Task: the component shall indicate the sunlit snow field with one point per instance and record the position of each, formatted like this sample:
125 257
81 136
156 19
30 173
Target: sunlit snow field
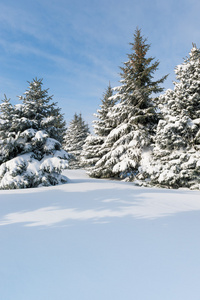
99 239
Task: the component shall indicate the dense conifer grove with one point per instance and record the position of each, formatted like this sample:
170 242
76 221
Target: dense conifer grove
138 136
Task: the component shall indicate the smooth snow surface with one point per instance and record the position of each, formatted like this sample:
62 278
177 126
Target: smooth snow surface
99 240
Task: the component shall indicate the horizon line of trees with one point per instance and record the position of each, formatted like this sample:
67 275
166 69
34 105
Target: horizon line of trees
137 136
143 138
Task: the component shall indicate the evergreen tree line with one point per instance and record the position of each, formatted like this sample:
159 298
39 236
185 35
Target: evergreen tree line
143 138
138 136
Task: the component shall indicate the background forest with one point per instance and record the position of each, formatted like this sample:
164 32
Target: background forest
138 136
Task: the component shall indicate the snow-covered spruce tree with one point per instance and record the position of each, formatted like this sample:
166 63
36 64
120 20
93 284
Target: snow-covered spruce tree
36 130
134 117
92 149
7 145
175 161
74 140
103 124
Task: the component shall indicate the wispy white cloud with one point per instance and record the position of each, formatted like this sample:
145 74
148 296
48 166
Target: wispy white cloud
81 44
26 21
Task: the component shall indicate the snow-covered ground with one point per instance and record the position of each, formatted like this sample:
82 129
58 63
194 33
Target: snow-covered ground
99 240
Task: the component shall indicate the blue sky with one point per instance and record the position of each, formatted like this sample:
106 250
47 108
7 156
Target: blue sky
78 46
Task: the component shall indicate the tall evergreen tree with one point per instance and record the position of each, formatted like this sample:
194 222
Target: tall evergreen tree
75 137
36 129
175 161
134 117
92 149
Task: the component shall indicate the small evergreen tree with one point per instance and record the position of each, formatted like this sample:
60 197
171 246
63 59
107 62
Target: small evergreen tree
35 156
134 117
7 145
175 161
75 137
104 124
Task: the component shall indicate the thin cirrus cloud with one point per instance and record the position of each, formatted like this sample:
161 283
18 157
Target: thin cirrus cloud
20 21
78 46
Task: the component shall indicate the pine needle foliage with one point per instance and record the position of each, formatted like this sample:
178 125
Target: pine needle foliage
175 160
31 133
103 124
134 116
75 137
